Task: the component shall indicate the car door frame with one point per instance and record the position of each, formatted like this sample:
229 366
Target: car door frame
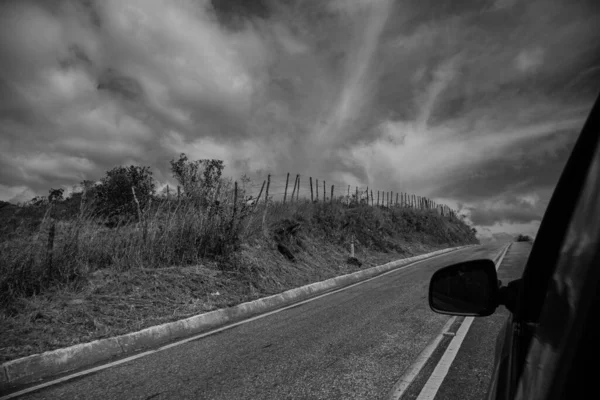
544 254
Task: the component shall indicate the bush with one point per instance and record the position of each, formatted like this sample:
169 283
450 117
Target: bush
524 238
115 193
200 178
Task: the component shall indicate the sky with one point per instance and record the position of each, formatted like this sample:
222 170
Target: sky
475 104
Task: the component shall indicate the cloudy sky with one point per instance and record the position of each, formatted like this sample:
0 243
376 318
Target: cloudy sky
474 103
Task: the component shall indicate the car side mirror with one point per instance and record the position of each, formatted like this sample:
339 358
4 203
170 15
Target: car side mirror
468 288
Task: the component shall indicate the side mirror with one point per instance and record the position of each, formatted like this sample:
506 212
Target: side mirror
469 288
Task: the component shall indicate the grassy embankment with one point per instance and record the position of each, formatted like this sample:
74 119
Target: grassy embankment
181 259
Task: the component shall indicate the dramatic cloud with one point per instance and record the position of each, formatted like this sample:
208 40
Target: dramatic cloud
476 103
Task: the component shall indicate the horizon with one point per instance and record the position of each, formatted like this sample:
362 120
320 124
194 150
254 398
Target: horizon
475 105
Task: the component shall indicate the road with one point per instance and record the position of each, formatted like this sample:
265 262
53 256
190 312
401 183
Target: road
353 344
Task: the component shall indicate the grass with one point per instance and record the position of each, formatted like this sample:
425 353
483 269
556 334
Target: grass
184 258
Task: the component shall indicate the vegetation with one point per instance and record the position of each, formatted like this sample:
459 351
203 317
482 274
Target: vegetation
524 238
107 259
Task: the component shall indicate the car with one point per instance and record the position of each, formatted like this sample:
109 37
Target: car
549 345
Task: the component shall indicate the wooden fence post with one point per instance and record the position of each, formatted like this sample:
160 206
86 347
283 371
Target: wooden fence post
371 197
235 199
294 190
324 193
357 201
267 192
50 247
298 189
378 198
311 190
396 199
287 180
331 200
317 187
264 218
259 194
178 192
168 193
348 196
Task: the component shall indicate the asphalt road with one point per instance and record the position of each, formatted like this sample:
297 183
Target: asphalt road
353 344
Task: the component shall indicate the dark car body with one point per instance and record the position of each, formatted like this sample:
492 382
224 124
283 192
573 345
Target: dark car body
548 347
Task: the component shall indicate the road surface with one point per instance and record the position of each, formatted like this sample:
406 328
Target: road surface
353 344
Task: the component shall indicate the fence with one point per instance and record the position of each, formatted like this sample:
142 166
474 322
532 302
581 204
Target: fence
293 188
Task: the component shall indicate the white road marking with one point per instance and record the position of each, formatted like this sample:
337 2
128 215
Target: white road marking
441 370
404 382
180 342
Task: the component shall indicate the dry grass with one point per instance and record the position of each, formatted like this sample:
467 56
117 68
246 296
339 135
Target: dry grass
182 259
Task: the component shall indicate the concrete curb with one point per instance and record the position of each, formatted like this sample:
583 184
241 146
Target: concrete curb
39 366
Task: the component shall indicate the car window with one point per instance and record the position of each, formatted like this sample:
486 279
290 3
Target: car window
571 291
554 226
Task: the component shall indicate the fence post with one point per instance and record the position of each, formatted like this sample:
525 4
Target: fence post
298 188
50 247
286 186
178 192
317 187
378 198
267 192
396 199
294 190
331 200
371 197
348 196
266 201
387 199
259 194
324 193
168 193
137 203
235 198
357 202
311 191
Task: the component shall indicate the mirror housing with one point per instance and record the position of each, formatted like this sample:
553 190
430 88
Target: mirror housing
469 288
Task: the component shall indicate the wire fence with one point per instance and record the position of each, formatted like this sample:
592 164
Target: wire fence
291 188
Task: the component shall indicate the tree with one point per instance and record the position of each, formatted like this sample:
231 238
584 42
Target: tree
197 178
114 193
55 195
524 238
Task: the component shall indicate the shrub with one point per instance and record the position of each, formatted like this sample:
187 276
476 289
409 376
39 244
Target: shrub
114 194
200 178
524 238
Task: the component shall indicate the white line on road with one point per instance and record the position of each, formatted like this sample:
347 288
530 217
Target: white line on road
441 370
404 382
196 337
